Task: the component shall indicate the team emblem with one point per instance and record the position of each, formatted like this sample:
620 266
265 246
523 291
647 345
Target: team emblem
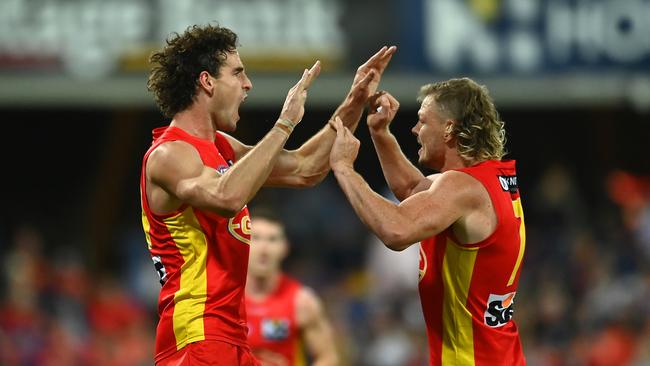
275 329
240 227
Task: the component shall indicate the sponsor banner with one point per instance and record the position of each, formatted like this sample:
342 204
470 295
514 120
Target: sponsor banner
501 37
97 38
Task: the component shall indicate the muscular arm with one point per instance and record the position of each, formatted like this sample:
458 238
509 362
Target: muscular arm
176 174
308 165
316 329
448 200
403 178
176 167
453 197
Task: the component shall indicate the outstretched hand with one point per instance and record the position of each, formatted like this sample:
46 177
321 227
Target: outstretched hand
382 110
368 75
346 146
294 104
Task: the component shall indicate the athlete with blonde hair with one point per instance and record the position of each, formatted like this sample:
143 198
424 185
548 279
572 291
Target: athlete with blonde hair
468 218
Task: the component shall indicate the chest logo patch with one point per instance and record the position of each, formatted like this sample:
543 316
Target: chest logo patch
499 310
275 329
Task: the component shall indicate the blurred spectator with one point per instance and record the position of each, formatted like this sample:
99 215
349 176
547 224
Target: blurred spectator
52 316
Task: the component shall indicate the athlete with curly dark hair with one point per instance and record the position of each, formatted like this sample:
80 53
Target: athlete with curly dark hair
196 181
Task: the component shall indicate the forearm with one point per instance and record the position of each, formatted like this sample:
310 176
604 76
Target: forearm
400 174
380 215
245 178
316 150
312 158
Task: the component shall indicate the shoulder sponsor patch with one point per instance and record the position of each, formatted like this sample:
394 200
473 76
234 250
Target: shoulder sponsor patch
508 183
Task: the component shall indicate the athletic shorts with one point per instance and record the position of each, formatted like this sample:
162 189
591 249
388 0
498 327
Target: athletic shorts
210 353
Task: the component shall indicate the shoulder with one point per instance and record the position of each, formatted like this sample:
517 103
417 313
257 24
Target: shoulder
171 156
308 305
454 180
171 151
458 186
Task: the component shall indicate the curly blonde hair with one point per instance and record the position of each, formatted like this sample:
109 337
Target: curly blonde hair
479 131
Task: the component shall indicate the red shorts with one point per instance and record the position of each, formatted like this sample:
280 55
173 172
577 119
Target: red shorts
213 353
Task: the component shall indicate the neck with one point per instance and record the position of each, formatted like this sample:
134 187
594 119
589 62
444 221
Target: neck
453 160
196 121
262 286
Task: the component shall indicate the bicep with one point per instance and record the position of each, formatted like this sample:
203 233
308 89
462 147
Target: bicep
177 168
173 165
424 184
433 210
284 170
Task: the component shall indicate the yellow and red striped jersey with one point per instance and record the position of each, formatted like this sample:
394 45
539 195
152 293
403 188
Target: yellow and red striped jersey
468 291
272 324
201 257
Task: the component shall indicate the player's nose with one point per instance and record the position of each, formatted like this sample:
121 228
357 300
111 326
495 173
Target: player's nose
248 85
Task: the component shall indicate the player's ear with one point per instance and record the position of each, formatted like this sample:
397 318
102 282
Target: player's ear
449 129
206 82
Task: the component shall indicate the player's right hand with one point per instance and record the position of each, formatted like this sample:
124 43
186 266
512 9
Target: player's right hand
368 75
294 105
382 110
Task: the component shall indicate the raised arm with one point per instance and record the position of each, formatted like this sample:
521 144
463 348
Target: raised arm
446 201
316 329
309 164
176 167
403 178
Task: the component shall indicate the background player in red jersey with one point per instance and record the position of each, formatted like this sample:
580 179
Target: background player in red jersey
468 218
196 182
285 318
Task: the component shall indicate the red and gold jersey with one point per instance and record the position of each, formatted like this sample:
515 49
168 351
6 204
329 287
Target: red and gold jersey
468 291
273 332
201 257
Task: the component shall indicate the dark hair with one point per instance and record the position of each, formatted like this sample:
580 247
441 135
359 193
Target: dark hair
176 68
265 213
479 131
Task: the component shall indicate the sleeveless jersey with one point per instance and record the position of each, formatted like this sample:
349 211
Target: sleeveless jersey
468 291
201 258
272 323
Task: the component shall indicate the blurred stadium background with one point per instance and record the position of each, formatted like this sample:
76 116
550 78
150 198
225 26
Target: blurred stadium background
571 78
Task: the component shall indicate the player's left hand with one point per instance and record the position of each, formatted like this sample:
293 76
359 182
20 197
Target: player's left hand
346 146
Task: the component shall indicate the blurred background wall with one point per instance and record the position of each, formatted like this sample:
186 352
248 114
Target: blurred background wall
571 78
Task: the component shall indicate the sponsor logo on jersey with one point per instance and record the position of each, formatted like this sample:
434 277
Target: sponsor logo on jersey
275 329
240 226
508 183
160 269
499 310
